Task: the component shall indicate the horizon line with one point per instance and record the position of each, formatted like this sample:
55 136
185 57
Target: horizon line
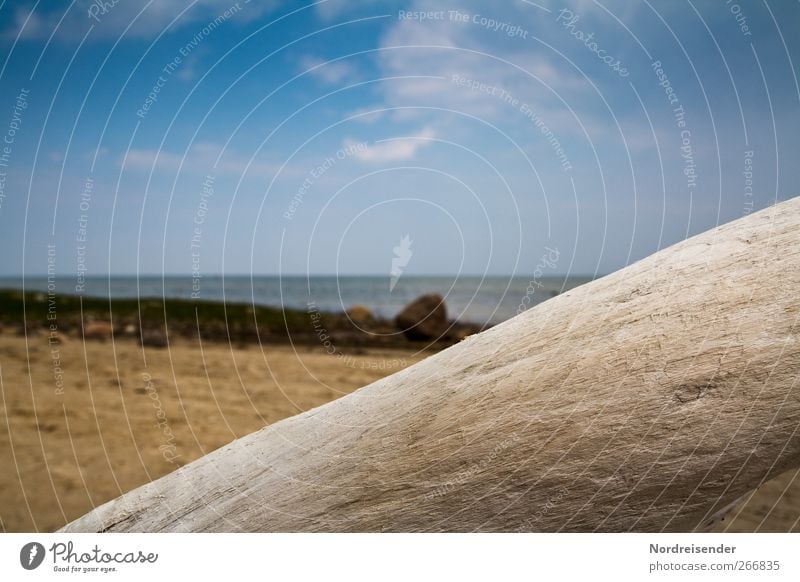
296 275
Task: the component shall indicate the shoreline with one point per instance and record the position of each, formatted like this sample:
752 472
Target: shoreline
470 300
159 321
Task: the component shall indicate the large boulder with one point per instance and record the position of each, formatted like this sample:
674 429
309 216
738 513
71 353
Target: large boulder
425 318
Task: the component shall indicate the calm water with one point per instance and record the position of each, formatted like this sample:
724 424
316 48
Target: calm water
491 299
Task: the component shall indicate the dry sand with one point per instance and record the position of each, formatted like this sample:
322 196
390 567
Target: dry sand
120 416
125 417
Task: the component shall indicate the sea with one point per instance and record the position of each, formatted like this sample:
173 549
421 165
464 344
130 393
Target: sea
471 299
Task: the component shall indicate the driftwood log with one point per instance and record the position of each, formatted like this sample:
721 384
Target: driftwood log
648 400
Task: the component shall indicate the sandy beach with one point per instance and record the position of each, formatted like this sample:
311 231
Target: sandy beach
119 415
408 267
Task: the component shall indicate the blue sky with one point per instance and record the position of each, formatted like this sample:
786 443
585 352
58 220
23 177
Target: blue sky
487 132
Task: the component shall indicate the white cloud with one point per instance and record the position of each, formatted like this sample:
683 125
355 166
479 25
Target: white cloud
330 72
393 150
366 114
432 52
147 159
28 25
201 158
429 58
329 9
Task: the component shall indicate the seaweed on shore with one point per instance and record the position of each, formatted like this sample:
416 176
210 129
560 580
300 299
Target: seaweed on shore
153 320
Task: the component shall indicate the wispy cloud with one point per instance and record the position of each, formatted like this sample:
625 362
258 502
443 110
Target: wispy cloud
369 114
475 70
330 72
201 158
398 149
329 9
149 159
472 52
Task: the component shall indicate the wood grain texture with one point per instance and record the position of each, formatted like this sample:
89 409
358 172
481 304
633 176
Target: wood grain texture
647 400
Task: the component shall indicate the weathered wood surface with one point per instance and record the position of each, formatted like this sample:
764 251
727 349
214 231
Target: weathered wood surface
647 400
